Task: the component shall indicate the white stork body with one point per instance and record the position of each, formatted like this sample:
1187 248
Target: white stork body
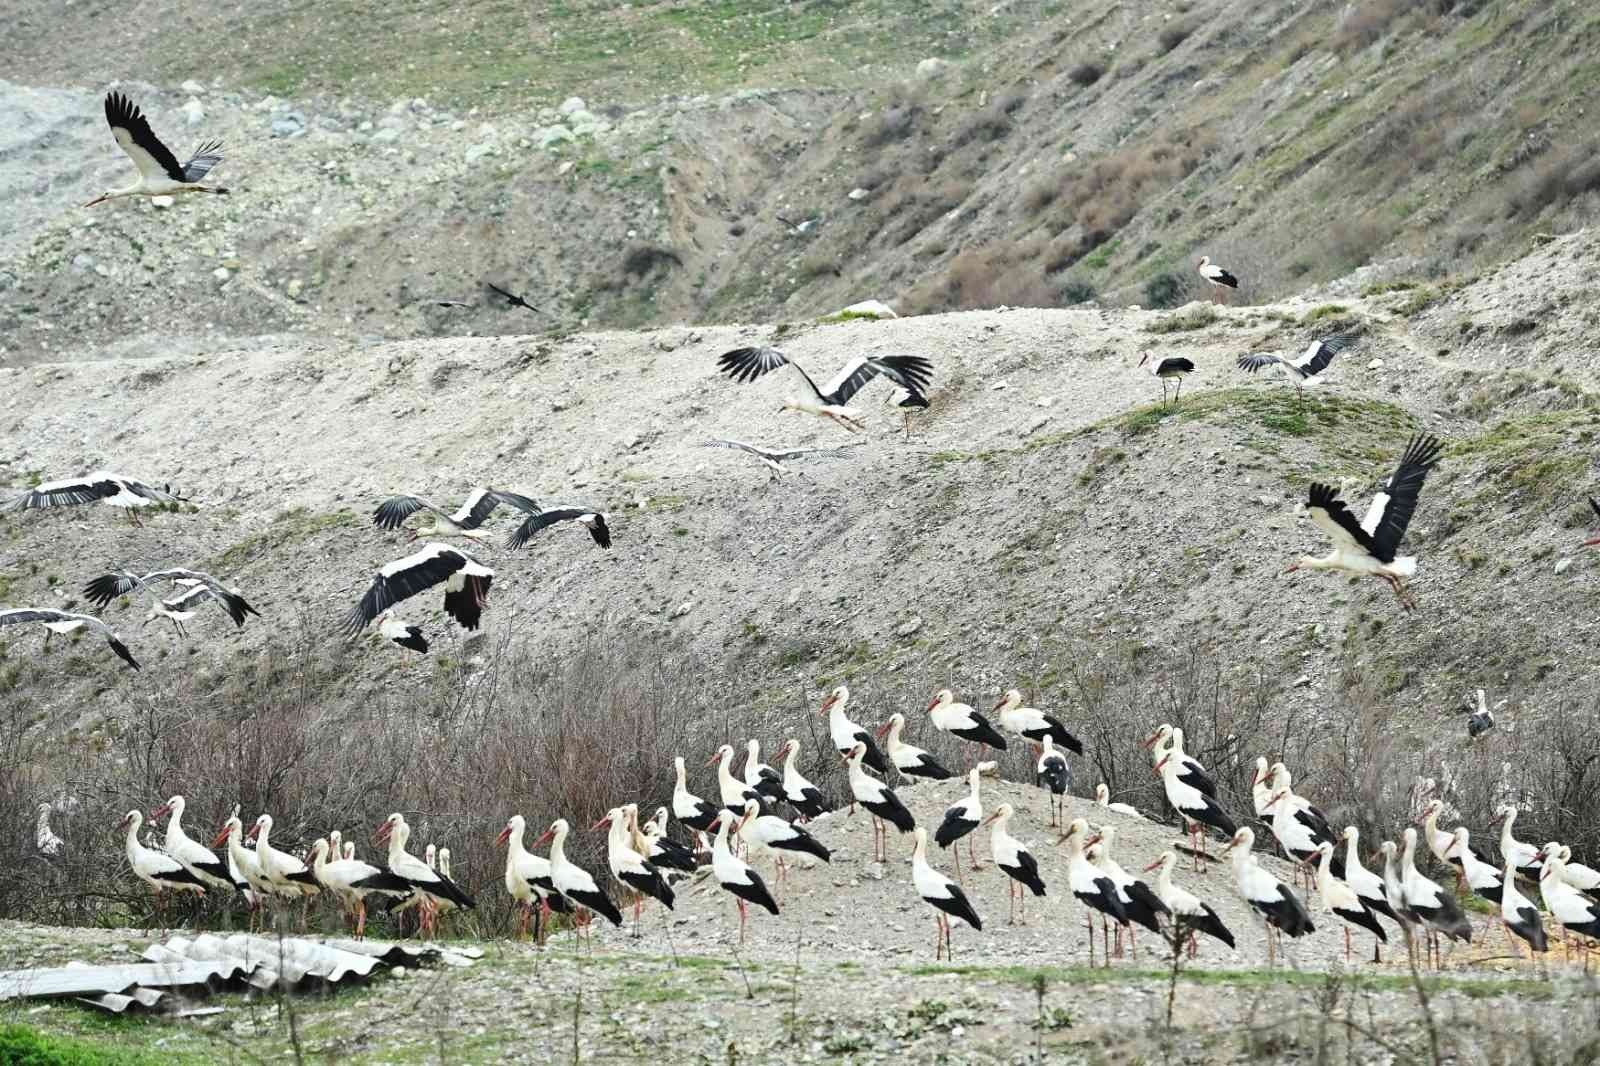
960 819
1261 790
572 880
466 586
353 880
158 870
1197 809
590 518
1304 368
1219 279
1139 903
1089 885
287 875
1571 909
1340 899
528 879
758 775
1367 886
732 791
806 799
688 808
940 893
910 372
1368 547
1032 724
879 800
1055 773
113 490
1424 898
769 835
160 174
195 858
1525 856
735 876
1518 914
629 867
1188 911
908 759
107 587
242 862
1275 901
1168 368
430 885
962 721
846 734
1015 861
1581 877
1102 799
465 522
57 623
400 634
1479 874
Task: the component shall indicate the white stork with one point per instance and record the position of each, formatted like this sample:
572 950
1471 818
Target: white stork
1275 901
1479 873
288 876
1190 914
846 734
1525 856
400 633
771 835
353 880
466 586
774 459
107 587
1518 914
1443 843
960 720
662 851
758 775
1219 278
1032 724
940 893
45 842
1139 903
1304 368
243 866
431 885
1480 721
879 800
630 868
1299 826
908 759
1168 368
114 490
572 880
195 858
1367 886
806 799
960 819
1571 909
735 876
1368 547
1056 773
1102 799
1429 902
591 518
58 622
1341 900
732 791
1168 740
466 522
158 870
528 880
1090 886
910 372
688 808
1261 790
1015 861
159 171
1581 877
1197 809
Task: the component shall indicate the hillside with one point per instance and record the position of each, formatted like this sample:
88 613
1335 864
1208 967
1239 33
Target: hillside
1043 155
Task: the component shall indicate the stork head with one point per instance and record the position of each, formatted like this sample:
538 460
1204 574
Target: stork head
1012 698
895 722
1162 733
605 822
839 695
173 804
263 822
1102 794
857 753
132 818
514 824
724 752
1166 859
387 827
941 698
225 832
1430 809
1244 838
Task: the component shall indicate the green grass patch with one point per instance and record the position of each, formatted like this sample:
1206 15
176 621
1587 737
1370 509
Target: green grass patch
1085 975
850 316
288 528
1316 314
23 1045
1199 318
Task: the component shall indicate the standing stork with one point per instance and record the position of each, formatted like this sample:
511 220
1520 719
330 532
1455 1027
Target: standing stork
1090 886
1015 861
1056 773
1197 809
466 522
772 835
1304 368
1342 901
960 819
58 622
908 759
736 876
732 791
1526 857
1570 909
910 372
1367 886
159 171
353 880
1581 877
107 587
960 720
758 775
807 799
942 894
1368 546
1168 368
880 802
1190 914
432 887
45 842
572 880
688 808
1519 915
114 490
846 734
629 868
156 869
1275 901
195 857
466 586
1221 281
1429 902
1139 903
528 880
1032 724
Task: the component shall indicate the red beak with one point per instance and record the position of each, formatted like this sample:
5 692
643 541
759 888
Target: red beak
159 811
999 705
1152 866
991 818
549 834
883 728
601 824
829 702
933 703
714 759
383 831
1590 543
505 835
222 837
1162 763
1292 568
254 829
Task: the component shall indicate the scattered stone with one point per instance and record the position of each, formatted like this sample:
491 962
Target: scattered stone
222 273
905 629
386 136
476 152
1303 681
859 193
289 124
193 113
1562 566
682 609
932 68
193 88
162 201
572 105
293 288
1376 364
551 136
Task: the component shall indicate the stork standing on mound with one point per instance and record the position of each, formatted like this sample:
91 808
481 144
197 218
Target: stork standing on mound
1055 773
1220 280
910 372
960 819
908 759
1168 368
159 171
1368 546
1275 901
942 894
880 802
735 876
1089 885
960 720
807 799
1341 900
1016 862
1190 915
1030 723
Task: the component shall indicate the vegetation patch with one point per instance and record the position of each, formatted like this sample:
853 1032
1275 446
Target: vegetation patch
1199 318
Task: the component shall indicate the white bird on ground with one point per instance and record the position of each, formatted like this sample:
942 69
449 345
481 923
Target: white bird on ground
1219 278
1340 899
1304 368
758 775
732 791
107 587
1275 901
773 459
45 842
591 518
572 880
1367 886
1090 886
1190 914
195 858
846 734
736 876
287 875
160 174
1480 875
1015 861
60 622
1141 905
962 721
688 808
114 490
960 819
1441 842
1298 825
353 880
629 867
1581 877
1168 368
466 522
1056 773
1168 739
1032 724
154 868
1518 914
431 885
910 372
1480 721
1436 907
1525 856
806 799
880 802
940 893
1569 908
767 834
1369 546
1197 809
466 586
243 864
1261 790
401 634
528 879
908 759
1102 799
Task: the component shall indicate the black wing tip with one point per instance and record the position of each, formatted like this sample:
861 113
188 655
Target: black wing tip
1321 495
1423 450
122 652
102 590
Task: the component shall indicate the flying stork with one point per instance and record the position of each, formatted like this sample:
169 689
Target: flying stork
400 634
1170 367
1368 547
112 489
466 586
1304 368
511 298
591 518
65 622
159 171
910 372
773 459
107 587
466 522
1219 278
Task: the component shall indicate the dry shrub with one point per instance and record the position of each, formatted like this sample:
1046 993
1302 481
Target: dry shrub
898 118
990 123
1173 34
1368 22
1553 179
1086 73
1039 194
641 258
912 204
1002 273
1351 243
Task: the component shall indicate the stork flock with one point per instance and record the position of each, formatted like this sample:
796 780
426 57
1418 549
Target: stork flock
742 830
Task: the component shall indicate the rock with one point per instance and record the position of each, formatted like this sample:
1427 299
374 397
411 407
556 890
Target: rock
868 309
193 113
1303 681
591 128
386 136
997 386
905 629
1376 364
551 136
222 273
293 288
932 68
162 201
193 88
859 193
571 105
682 609
476 152
582 118
82 262
289 124
1562 566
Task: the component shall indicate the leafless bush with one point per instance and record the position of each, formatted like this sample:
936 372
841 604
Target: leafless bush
641 258
1553 179
898 118
1086 73
999 273
1368 22
1173 34
990 123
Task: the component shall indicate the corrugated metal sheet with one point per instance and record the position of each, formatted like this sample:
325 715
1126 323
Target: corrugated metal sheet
95 980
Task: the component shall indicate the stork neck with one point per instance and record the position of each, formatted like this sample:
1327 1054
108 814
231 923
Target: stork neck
558 846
